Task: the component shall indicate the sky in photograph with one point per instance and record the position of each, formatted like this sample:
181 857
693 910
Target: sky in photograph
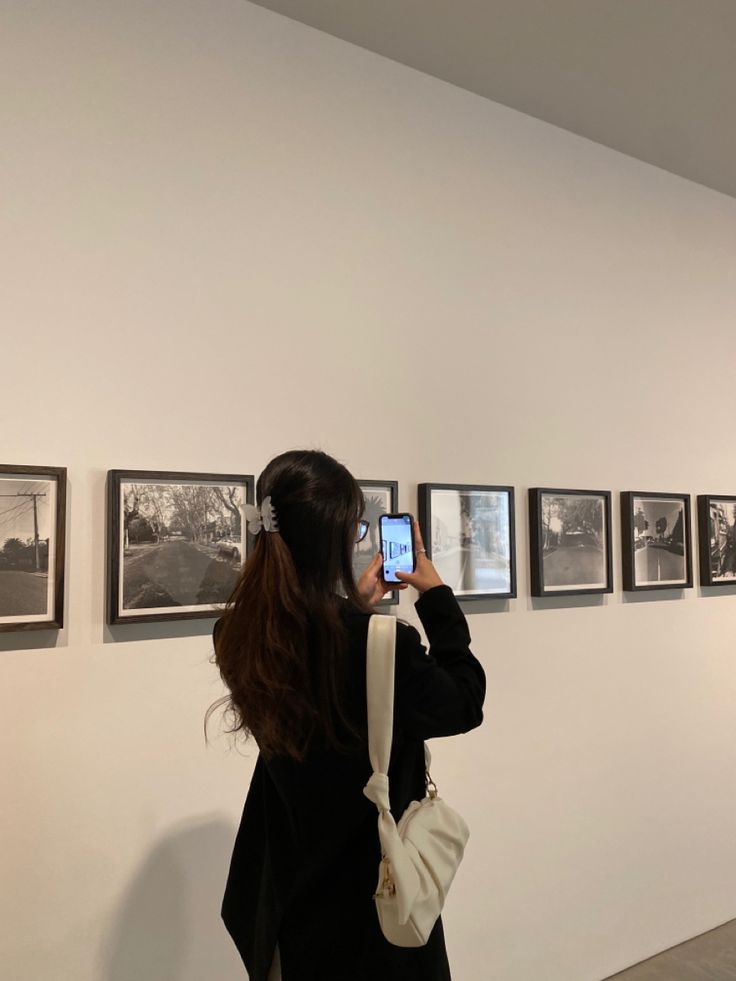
16 512
654 510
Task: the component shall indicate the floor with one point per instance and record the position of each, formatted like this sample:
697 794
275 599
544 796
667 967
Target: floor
709 957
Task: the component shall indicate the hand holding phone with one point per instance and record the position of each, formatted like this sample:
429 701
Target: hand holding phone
426 576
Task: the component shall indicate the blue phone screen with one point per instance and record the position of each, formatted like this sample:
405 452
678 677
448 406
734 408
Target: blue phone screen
396 544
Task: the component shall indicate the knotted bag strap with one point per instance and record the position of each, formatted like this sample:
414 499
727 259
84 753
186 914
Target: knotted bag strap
380 670
380 664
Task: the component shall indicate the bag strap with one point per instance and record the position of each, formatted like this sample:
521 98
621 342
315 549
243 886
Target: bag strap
380 665
380 662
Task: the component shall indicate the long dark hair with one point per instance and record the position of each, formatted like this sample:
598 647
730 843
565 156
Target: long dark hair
281 643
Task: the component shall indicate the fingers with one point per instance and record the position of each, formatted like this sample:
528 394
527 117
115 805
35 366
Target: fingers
418 541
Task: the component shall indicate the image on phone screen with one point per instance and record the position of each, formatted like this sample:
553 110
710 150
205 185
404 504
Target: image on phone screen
397 545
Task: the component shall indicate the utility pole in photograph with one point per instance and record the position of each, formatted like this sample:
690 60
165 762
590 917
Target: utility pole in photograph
34 498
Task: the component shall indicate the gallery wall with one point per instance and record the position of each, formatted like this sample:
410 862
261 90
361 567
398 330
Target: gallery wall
224 235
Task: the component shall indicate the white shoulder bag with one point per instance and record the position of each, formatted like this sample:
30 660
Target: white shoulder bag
421 854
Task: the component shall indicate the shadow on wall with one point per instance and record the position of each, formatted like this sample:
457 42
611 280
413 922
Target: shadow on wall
168 927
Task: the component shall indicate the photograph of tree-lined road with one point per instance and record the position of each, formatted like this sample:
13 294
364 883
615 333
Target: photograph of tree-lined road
182 544
659 541
573 542
27 508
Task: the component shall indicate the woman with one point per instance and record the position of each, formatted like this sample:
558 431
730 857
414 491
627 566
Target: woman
291 648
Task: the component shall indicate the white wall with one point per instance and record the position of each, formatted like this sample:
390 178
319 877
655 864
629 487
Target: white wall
215 224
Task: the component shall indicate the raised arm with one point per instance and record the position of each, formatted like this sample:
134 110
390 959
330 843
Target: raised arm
439 693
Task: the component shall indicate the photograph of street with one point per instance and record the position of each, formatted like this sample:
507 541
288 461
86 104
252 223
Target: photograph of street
27 549
380 498
722 540
471 539
181 545
574 545
659 542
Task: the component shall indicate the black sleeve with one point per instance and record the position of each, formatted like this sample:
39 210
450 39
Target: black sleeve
440 693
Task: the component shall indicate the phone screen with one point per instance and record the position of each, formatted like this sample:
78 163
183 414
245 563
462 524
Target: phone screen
397 545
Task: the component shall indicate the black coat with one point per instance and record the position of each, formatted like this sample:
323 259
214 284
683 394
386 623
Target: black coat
305 863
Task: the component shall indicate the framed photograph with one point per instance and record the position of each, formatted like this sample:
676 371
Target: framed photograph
717 534
468 531
176 543
32 537
381 497
570 542
657 541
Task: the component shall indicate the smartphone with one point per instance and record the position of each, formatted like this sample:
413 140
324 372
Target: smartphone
397 545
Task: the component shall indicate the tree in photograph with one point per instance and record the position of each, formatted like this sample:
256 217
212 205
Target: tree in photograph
230 499
678 530
43 550
144 513
640 521
582 515
550 511
194 506
155 505
140 531
15 551
130 510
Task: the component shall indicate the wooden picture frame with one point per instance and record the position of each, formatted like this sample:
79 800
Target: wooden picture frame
717 539
656 541
32 563
191 539
564 539
469 531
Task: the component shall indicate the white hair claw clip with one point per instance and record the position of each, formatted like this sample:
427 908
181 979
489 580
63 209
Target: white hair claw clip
261 517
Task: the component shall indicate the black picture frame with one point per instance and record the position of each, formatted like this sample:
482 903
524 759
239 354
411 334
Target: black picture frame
223 551
372 515
55 542
637 542
425 492
716 546
537 544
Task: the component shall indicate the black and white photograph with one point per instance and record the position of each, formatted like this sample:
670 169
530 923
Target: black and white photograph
570 541
656 541
717 534
380 497
468 531
32 521
176 543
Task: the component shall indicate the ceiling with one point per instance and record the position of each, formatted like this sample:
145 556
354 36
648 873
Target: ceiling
655 79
